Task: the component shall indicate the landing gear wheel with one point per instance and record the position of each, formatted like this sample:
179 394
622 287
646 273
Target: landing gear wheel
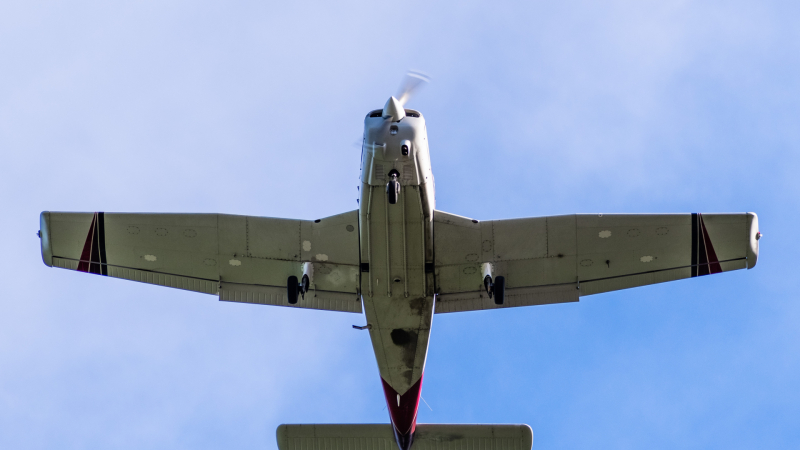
306 284
292 286
487 284
499 290
393 189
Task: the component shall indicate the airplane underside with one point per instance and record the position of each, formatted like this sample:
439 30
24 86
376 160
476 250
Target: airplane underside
396 300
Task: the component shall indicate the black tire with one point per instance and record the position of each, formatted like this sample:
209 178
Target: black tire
499 290
306 285
392 190
292 289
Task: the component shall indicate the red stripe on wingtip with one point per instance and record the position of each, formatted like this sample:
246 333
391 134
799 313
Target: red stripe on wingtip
84 265
713 262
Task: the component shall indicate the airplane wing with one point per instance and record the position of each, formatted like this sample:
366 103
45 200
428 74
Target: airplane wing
560 258
239 258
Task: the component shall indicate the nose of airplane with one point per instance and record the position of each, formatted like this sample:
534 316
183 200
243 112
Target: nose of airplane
394 109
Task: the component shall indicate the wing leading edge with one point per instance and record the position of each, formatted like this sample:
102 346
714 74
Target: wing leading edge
239 258
561 258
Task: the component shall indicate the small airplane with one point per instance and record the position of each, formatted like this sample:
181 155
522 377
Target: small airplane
399 261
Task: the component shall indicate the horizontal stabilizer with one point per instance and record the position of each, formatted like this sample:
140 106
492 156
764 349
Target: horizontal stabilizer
427 437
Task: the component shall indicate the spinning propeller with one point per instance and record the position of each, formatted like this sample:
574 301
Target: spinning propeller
394 106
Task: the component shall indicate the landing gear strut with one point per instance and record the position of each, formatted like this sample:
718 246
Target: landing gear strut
393 188
499 289
304 285
495 287
293 288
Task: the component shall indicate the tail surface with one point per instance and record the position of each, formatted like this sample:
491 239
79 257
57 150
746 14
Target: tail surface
426 437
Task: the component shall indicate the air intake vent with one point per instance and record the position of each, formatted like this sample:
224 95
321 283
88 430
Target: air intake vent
376 113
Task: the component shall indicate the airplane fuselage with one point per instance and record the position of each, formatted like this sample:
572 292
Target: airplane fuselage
397 280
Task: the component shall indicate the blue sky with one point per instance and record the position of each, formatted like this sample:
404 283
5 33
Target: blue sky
535 108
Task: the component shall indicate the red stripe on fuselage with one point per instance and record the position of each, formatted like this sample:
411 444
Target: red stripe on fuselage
404 415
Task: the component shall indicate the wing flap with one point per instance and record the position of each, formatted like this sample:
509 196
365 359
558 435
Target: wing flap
270 295
530 296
